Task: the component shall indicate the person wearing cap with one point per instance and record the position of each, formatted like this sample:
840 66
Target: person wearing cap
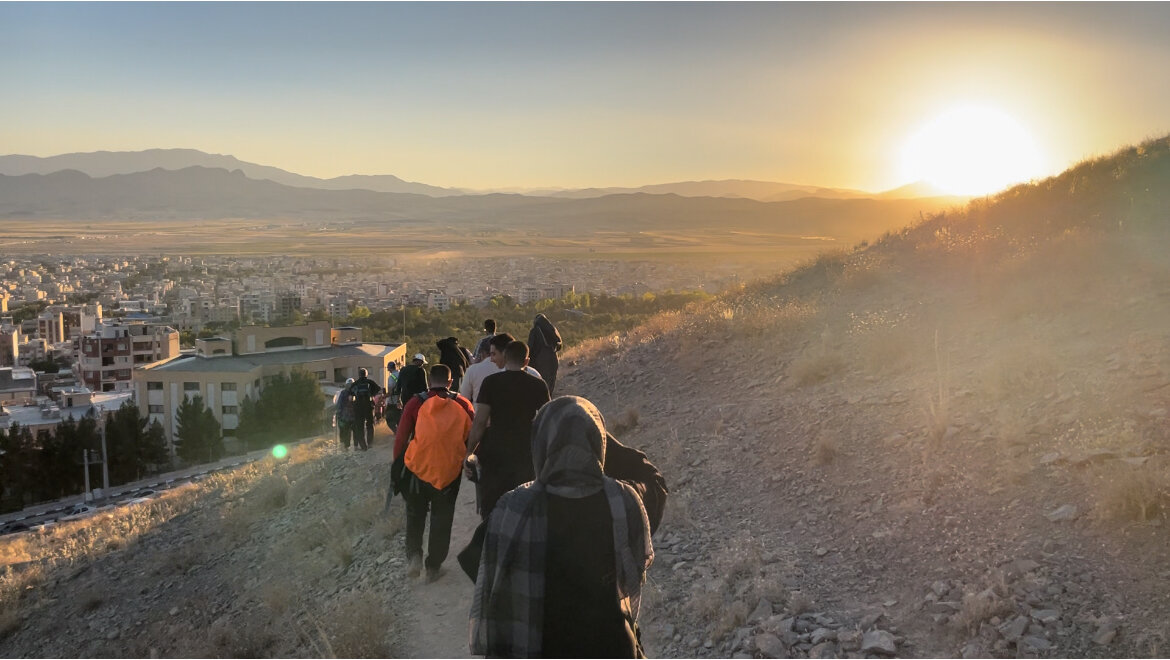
412 379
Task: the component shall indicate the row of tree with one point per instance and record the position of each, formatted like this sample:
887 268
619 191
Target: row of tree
50 464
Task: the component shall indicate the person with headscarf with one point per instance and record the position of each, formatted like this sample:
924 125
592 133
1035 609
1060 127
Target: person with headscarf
456 361
543 344
565 556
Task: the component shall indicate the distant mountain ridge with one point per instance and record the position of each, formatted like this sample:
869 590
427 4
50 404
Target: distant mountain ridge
100 164
197 193
108 163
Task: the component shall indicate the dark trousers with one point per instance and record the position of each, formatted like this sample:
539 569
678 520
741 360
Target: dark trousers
420 496
363 431
344 433
497 480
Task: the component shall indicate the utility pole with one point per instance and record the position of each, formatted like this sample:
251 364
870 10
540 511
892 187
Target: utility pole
404 324
85 463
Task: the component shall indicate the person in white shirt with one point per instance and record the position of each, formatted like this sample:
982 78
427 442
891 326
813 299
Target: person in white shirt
484 368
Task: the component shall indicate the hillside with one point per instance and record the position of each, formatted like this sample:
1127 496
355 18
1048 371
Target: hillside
951 442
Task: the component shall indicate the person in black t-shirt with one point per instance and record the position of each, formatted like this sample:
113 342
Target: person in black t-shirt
501 434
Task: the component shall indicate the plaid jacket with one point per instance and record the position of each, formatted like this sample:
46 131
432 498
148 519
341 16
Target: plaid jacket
508 607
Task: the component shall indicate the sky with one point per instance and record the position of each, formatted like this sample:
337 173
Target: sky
532 95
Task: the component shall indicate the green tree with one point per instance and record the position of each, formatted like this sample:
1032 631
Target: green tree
135 446
18 454
288 408
197 437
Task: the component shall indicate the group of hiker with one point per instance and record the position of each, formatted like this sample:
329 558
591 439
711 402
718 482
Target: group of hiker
566 511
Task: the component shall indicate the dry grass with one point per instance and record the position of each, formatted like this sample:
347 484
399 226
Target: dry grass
360 626
625 422
1133 492
305 487
251 635
799 602
980 607
269 494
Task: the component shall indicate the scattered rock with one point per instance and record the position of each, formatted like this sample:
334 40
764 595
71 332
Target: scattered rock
1033 643
763 611
822 635
1046 616
770 646
849 640
823 650
1106 631
1013 630
878 641
1064 513
174 611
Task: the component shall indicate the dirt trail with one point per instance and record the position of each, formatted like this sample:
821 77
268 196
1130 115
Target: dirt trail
435 623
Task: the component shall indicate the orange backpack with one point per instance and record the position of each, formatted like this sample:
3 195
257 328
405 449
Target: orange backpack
435 453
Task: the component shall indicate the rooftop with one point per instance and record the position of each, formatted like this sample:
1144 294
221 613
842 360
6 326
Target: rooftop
246 363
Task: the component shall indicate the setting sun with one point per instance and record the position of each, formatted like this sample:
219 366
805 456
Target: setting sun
971 150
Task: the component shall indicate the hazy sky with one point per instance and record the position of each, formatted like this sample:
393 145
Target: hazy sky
569 95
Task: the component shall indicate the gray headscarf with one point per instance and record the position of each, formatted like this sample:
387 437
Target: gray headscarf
568 454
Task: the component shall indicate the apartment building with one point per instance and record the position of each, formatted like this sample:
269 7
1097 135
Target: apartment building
108 355
18 385
225 370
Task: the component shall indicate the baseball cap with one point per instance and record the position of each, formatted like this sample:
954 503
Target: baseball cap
420 356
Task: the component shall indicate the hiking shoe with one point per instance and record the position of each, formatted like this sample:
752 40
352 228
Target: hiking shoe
434 574
414 568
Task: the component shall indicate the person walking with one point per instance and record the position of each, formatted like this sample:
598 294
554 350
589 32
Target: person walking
565 557
343 414
544 342
481 348
391 405
363 390
500 435
450 354
428 453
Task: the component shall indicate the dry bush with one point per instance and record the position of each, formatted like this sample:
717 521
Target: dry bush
679 512
980 607
1133 492
305 487
358 516
593 349
825 449
815 366
89 600
654 328
360 627
339 545
270 493
10 622
252 634
385 527
625 422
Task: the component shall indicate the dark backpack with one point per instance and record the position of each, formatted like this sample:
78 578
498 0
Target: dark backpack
363 393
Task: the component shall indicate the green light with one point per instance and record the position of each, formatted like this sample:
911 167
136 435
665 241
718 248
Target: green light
279 452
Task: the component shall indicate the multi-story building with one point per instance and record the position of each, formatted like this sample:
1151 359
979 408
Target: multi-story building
108 355
18 385
9 344
51 326
225 370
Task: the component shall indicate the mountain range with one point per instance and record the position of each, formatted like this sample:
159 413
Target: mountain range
107 163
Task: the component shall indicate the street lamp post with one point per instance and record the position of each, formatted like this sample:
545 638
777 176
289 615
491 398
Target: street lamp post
105 459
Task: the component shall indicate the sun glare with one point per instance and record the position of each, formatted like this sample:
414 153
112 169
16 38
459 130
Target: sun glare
971 150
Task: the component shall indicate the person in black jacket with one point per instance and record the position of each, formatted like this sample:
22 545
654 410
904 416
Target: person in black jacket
456 361
543 343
